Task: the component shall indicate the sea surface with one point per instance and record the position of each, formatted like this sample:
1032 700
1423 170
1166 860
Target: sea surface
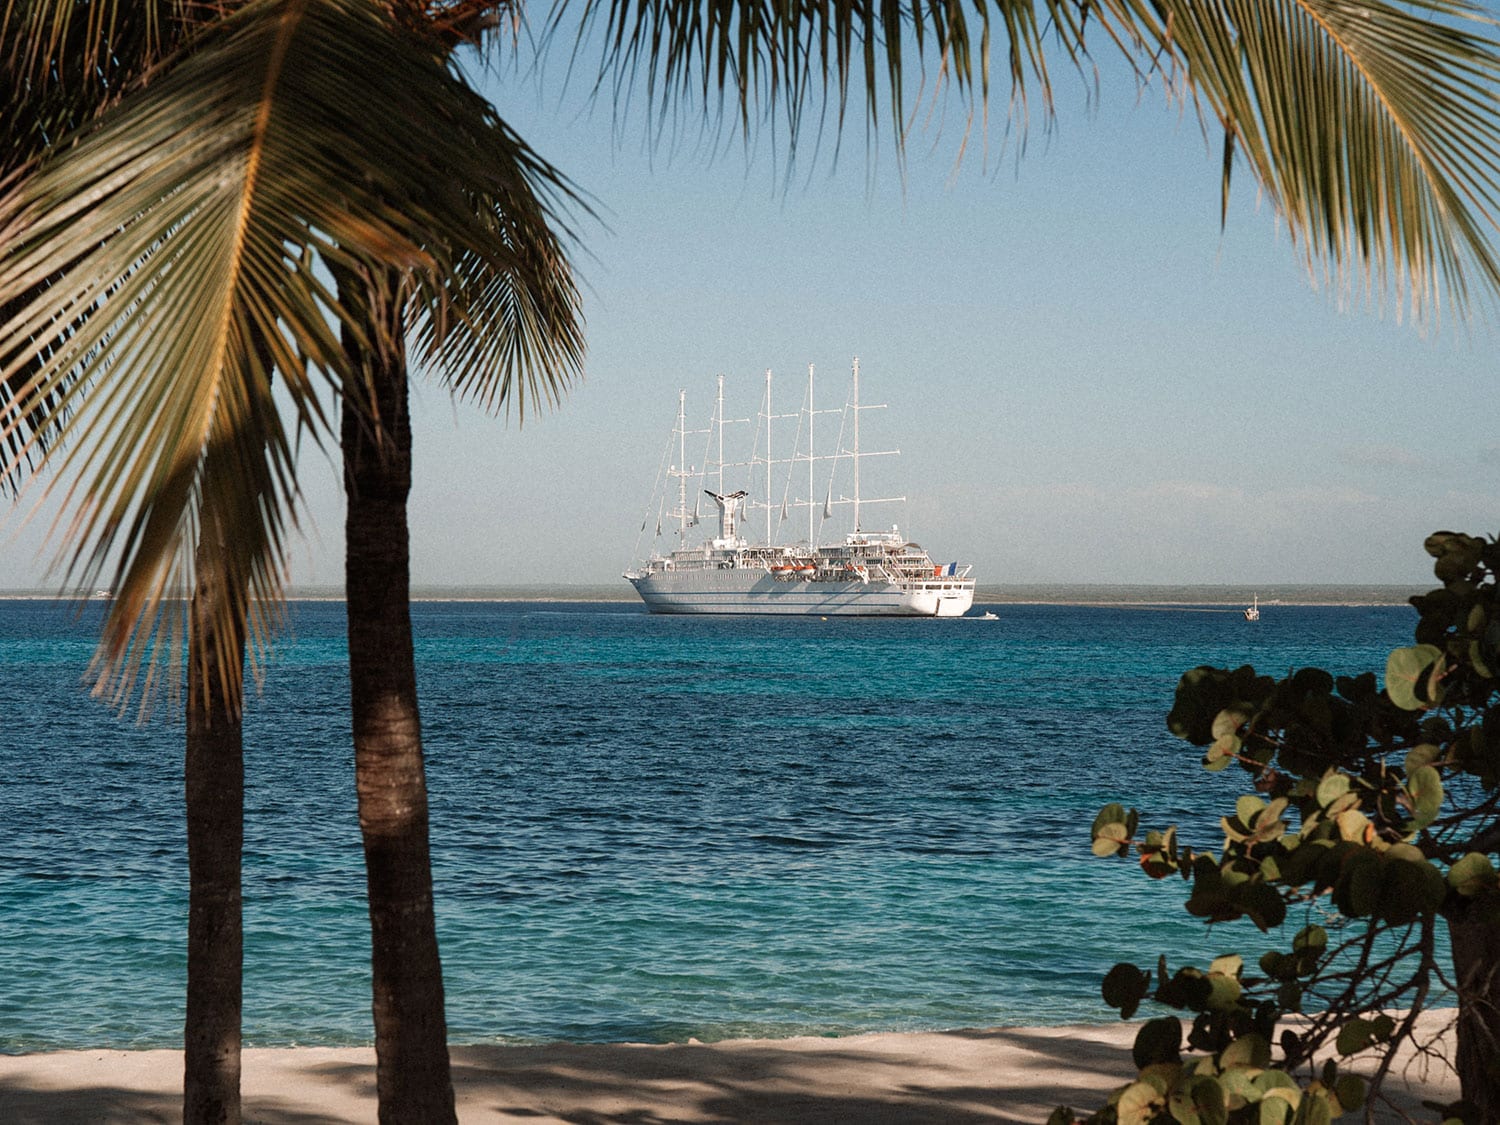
647 828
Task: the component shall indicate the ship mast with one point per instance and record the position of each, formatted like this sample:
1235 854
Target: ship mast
769 462
856 454
811 417
855 404
719 414
682 512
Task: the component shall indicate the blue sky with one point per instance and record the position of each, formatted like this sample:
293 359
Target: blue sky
1088 381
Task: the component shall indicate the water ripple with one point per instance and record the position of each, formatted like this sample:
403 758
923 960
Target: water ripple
643 828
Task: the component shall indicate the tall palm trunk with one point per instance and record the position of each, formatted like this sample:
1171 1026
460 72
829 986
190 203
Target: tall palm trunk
411 1046
214 779
1476 965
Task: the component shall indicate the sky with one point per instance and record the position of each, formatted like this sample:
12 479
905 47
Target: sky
1087 378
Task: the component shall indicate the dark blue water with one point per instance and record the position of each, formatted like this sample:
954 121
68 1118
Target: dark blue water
645 828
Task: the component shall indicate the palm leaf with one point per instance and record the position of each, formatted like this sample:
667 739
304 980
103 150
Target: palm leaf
1372 128
505 325
60 71
66 50
187 227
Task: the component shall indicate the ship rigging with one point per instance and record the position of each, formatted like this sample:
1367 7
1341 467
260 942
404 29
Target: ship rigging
864 573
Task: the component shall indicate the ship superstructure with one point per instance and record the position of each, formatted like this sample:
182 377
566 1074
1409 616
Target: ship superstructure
875 573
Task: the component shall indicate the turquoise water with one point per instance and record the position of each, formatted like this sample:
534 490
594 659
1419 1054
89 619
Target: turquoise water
645 828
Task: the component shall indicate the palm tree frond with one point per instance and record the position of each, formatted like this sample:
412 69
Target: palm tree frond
1374 128
778 61
186 224
505 325
64 61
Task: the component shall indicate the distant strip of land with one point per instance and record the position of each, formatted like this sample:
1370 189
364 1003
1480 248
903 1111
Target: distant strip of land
1100 594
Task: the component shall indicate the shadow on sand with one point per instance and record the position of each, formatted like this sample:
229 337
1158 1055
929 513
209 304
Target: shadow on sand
937 1078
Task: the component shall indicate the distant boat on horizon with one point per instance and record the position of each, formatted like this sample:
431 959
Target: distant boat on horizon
1252 611
866 573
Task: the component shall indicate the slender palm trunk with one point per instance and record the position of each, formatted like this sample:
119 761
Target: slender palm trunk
411 1046
214 777
1476 966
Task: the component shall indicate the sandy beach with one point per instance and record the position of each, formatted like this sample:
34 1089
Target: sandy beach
928 1078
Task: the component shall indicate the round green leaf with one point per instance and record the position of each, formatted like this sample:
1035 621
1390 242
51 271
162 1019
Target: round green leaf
1358 1034
1112 813
1247 1051
1275 1111
1222 752
1473 874
1224 992
1124 987
1421 755
1354 826
1206 1097
1313 1111
1139 1104
1261 904
1111 839
1476 658
1158 1041
1230 964
1405 671
1411 889
1311 937
1425 786
1239 1087
1246 807
1269 1080
1350 1091
1228 721
1358 892
1332 787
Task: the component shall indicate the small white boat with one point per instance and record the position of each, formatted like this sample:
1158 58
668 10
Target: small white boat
1252 611
988 616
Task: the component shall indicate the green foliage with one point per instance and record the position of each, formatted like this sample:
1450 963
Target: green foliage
1359 1034
1413 677
1371 813
1113 829
1236 1086
1473 875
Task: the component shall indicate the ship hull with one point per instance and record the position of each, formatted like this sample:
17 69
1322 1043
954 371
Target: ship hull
748 591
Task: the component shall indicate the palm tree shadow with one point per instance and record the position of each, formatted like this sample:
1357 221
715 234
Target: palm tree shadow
22 1103
1009 1076
1000 1076
953 1081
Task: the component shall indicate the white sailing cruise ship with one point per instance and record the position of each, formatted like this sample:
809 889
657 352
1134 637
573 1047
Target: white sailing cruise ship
867 573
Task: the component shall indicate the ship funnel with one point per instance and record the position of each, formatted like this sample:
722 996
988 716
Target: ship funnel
729 514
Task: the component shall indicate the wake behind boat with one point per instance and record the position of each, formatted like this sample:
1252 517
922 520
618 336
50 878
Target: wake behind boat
866 573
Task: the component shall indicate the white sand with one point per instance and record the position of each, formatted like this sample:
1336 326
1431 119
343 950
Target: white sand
929 1078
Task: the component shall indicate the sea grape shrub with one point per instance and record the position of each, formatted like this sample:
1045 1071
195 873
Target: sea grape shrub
1372 820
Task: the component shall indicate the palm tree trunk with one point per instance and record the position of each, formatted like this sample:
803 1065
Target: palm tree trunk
214 777
411 1047
1476 965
